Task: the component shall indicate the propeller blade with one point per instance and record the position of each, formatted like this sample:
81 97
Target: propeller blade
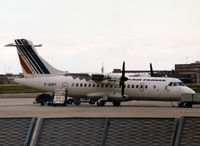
123 70
151 70
123 79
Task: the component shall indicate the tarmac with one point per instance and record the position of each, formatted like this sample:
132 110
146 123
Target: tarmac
21 105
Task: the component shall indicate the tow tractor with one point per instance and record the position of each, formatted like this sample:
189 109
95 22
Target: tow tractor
43 98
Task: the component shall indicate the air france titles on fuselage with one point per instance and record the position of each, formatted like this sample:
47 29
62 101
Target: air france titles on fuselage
159 80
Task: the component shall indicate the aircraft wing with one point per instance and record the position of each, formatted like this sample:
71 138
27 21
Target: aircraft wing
80 76
98 78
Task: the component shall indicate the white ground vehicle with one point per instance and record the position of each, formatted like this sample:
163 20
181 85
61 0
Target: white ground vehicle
60 96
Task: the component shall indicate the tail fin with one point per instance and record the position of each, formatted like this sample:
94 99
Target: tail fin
32 64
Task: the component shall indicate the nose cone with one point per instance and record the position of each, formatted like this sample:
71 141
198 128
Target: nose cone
188 90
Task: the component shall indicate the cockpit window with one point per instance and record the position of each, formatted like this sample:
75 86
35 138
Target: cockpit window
176 84
181 84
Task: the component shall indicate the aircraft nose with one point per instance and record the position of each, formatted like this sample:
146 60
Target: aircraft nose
188 90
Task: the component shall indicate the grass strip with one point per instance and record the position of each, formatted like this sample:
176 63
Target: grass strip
16 88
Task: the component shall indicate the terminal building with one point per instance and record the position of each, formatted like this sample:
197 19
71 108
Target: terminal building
191 71
188 73
8 78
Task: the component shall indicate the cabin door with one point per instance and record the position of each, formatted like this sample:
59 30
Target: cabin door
141 88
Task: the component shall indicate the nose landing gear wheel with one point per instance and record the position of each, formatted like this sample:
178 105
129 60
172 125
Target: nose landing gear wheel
188 104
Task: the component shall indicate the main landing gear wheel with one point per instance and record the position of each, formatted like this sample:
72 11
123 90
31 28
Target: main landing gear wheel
116 103
101 103
188 104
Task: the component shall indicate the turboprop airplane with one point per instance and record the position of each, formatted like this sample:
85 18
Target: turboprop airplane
100 87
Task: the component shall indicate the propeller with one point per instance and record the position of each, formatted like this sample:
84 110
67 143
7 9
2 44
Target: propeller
123 79
151 70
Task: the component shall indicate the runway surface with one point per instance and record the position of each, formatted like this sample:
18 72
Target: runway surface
24 107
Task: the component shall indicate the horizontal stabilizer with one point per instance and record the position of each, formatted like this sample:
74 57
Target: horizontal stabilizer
18 45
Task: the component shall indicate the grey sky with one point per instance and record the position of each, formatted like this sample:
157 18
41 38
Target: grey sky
79 35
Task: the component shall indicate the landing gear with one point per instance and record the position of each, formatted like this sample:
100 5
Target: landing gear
101 103
187 104
116 103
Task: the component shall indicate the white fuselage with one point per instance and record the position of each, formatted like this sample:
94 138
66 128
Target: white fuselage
137 88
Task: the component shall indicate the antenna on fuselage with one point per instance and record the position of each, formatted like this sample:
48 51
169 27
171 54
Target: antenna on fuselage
102 68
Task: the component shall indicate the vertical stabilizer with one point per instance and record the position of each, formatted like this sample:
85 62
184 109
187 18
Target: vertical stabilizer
32 64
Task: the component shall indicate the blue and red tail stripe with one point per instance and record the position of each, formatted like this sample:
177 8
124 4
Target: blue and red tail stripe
33 60
25 67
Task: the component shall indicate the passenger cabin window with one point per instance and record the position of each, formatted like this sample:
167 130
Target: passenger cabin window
89 85
106 85
128 86
137 86
85 85
93 85
102 85
146 86
81 85
132 86
154 86
97 85
141 86
76 84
